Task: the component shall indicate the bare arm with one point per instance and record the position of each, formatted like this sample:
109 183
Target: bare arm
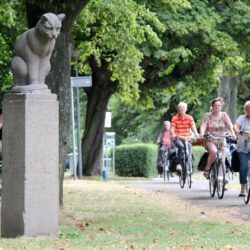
173 135
203 126
203 129
194 129
237 128
231 129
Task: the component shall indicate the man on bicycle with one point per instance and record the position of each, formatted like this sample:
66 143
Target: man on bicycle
181 126
164 141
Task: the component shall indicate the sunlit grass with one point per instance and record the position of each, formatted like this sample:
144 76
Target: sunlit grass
108 215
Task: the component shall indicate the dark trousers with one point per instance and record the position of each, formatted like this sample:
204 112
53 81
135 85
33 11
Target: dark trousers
180 144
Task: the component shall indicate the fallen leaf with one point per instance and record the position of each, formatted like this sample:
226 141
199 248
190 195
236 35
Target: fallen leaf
91 235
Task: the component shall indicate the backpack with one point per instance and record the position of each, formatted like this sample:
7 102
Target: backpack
235 164
203 162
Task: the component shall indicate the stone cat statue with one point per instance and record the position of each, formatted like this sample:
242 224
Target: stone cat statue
33 49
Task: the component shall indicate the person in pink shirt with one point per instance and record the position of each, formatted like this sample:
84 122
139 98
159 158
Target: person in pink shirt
165 143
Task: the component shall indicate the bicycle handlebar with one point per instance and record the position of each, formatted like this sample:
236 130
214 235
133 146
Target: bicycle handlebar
242 132
183 137
219 138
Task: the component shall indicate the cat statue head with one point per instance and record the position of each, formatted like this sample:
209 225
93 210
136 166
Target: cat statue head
50 25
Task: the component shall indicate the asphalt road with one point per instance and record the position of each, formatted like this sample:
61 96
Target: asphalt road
199 194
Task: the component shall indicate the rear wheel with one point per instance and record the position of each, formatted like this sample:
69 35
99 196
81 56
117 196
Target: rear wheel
220 179
212 180
166 173
189 173
182 176
247 190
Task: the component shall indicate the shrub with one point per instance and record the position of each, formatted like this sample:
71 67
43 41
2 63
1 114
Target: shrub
136 160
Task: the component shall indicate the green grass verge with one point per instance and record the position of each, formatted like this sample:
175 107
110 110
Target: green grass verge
107 215
197 153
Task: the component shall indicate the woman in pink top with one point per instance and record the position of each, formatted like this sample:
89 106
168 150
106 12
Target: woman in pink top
164 141
215 123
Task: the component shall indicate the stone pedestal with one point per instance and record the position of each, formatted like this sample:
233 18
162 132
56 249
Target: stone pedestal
30 194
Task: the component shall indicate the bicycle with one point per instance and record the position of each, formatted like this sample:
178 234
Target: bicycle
186 164
217 170
166 171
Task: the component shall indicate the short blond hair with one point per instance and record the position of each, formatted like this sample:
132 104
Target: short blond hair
183 104
166 122
247 103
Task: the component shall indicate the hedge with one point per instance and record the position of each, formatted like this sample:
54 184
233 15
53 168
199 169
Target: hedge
197 153
137 160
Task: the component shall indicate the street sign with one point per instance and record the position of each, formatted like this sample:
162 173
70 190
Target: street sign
81 81
108 120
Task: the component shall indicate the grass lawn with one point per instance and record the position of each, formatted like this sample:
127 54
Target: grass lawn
110 215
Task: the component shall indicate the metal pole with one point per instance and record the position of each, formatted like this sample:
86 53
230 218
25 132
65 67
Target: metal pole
103 153
79 135
73 128
114 157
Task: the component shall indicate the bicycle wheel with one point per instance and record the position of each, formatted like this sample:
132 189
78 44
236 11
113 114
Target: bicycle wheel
247 189
182 176
166 173
212 180
189 173
220 179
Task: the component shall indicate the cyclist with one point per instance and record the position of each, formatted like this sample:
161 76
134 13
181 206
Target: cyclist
165 143
216 123
243 145
181 126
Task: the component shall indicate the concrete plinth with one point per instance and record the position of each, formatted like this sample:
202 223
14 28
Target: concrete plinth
30 193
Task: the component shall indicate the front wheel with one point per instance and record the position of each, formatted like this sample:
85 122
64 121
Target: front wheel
166 172
189 173
212 180
182 177
247 190
220 179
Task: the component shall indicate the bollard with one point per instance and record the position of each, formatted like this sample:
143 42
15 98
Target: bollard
105 175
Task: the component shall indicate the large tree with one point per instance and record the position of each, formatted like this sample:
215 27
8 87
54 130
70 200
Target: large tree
165 43
207 45
113 32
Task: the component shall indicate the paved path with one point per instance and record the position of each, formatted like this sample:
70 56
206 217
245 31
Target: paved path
199 193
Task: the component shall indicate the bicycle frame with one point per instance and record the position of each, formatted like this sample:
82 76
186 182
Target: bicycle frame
186 164
217 169
247 185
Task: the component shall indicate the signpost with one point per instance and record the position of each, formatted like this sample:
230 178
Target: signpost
77 82
107 148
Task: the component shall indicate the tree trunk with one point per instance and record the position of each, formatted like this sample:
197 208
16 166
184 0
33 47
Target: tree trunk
61 75
228 89
98 96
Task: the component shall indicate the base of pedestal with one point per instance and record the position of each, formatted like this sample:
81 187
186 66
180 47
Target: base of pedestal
30 187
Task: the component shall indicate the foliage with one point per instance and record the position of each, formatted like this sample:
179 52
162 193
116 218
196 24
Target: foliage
111 31
136 160
12 23
200 42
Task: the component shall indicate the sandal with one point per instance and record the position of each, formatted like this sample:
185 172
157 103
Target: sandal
206 173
